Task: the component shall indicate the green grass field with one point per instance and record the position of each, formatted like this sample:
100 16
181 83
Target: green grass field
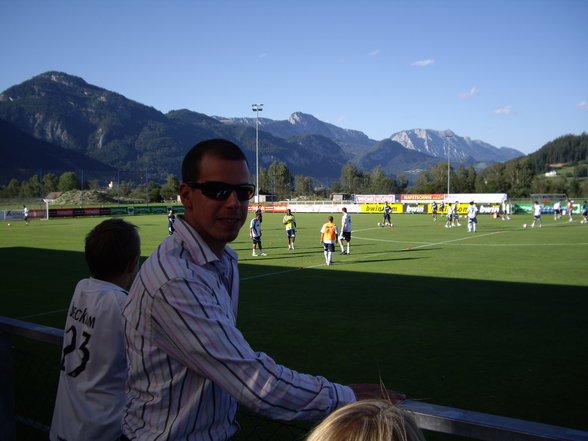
493 322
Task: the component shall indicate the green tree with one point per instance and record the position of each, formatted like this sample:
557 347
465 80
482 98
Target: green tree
93 184
13 189
35 186
31 188
402 182
573 188
581 171
126 188
492 180
439 179
303 186
169 190
518 175
379 183
465 180
424 183
154 192
348 180
264 183
68 181
336 187
139 193
280 180
50 183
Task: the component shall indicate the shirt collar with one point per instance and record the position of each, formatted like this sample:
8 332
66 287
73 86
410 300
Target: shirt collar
197 247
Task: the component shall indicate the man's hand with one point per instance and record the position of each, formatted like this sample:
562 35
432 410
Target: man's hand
367 391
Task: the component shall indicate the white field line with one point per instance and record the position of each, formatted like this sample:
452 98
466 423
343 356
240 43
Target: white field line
522 244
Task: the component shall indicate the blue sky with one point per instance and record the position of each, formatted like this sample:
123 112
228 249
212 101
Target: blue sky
512 73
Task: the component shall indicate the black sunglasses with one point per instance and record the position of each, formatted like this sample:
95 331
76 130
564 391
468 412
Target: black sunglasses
221 190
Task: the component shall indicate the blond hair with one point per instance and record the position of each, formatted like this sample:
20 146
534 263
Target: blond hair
368 420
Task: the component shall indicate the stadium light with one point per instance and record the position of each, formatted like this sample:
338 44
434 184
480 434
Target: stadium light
448 139
257 108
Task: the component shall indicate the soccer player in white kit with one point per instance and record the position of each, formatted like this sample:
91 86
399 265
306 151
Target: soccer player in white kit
536 215
91 392
472 217
557 210
255 235
345 231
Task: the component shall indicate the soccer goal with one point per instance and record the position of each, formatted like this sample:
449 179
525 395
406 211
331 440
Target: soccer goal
548 198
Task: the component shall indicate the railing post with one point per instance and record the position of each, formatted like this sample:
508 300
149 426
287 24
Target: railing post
7 406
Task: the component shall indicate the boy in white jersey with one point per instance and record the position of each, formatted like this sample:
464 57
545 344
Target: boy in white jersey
91 392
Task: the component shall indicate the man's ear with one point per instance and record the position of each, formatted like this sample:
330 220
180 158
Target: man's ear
184 192
133 264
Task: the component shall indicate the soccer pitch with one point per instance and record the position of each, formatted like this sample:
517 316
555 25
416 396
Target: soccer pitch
493 321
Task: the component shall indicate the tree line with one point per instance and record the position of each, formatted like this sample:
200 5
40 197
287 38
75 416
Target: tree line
518 178
37 187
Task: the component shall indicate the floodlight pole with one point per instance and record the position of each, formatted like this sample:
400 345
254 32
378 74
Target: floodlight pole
448 139
257 108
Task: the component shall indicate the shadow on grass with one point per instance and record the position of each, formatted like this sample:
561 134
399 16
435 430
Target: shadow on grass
38 280
487 346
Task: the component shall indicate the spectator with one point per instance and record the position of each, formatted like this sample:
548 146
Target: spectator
368 420
189 365
91 391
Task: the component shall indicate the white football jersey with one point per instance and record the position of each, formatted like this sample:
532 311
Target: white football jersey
91 392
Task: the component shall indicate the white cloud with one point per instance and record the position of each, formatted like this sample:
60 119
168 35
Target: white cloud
583 105
263 55
423 63
472 92
341 118
375 52
506 110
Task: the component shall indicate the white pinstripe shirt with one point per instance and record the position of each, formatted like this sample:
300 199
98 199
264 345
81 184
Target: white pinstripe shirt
188 363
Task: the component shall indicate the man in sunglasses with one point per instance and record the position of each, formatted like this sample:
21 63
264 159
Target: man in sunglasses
189 365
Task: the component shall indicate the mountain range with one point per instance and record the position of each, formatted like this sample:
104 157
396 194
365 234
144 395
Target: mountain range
89 123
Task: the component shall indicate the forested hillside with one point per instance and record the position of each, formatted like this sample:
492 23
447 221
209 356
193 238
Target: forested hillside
519 177
564 150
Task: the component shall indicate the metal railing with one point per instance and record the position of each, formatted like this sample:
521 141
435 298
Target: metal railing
430 417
